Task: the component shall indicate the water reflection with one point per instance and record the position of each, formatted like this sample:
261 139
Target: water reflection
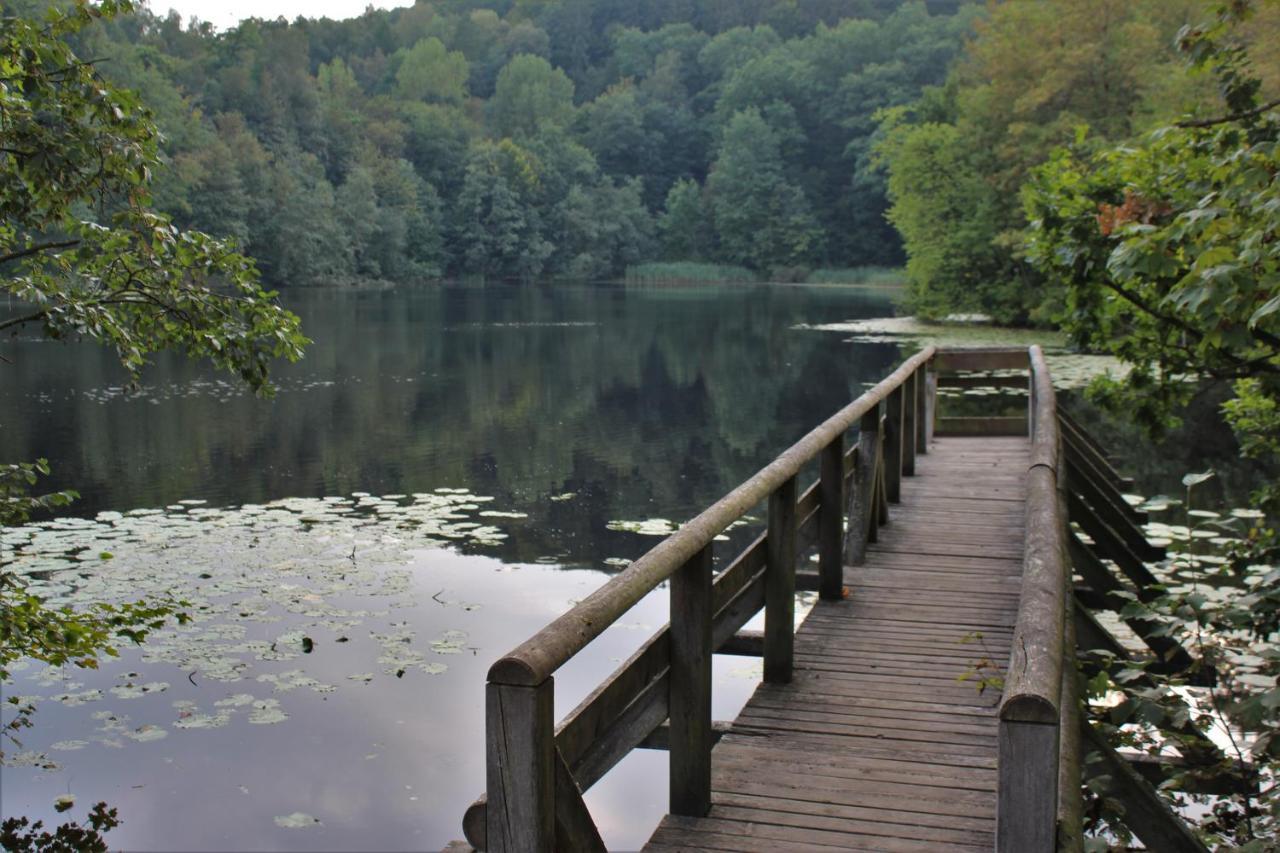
640 402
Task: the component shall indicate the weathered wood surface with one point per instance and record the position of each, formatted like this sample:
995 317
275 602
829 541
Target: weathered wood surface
875 744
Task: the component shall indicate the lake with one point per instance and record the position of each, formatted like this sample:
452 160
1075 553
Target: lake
448 469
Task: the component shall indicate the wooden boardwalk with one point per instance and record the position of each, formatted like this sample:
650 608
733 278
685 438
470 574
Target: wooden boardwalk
876 744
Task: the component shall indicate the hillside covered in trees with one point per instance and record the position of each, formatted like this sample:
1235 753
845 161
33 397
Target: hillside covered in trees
537 137
1038 78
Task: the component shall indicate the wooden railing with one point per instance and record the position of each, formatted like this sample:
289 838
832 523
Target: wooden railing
537 771
1039 733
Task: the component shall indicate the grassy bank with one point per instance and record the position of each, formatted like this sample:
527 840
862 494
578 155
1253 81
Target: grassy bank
874 276
686 272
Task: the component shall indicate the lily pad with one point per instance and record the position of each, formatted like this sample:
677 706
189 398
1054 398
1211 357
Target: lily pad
297 820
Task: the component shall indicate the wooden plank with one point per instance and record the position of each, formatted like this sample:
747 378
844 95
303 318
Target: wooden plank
982 381
690 696
956 426
873 743
956 359
780 585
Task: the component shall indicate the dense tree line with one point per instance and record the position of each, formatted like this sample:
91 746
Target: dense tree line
1037 77
537 137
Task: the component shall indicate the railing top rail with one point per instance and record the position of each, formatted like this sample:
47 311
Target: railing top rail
1033 684
537 658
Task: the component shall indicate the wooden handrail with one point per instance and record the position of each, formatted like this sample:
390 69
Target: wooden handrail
538 658
1033 703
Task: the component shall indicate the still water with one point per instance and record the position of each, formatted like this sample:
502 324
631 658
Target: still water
447 470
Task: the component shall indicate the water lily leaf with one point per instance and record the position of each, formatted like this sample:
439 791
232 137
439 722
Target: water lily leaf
297 820
1190 480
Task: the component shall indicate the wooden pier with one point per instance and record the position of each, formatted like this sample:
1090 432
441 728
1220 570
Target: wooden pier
880 741
928 701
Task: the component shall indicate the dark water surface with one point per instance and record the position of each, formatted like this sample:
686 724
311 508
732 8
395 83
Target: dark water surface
447 470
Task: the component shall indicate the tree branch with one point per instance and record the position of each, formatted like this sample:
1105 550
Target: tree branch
1210 122
37 249
1186 327
18 321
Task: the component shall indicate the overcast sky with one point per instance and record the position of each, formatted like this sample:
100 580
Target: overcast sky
225 13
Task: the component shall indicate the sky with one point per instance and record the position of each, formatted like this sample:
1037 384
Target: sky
225 13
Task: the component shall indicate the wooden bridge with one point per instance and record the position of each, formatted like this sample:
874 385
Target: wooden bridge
929 701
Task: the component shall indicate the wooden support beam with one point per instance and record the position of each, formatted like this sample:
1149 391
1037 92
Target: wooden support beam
831 520
1146 814
895 425
520 776
690 697
881 502
780 585
660 737
1197 747
1070 761
923 410
862 496
575 830
744 644
1077 457
1170 654
931 406
1109 544
1113 510
1026 816
909 418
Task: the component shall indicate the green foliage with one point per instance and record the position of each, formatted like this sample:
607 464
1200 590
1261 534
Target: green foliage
685 223
956 161
127 277
886 276
530 96
19 835
687 273
429 72
1166 257
85 257
762 220
272 127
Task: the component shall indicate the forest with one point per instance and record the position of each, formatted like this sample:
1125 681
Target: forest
534 139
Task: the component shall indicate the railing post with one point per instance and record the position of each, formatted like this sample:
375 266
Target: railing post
931 405
780 585
893 440
831 521
922 409
909 424
1027 807
863 511
520 776
689 702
